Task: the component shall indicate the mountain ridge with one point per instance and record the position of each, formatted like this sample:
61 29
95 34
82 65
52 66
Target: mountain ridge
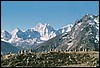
83 35
33 36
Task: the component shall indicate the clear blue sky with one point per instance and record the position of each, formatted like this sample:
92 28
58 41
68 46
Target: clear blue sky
26 14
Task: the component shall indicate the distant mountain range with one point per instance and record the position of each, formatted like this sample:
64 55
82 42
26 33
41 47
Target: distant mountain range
33 36
84 34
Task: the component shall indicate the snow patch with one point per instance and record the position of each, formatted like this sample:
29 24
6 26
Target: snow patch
69 45
82 29
96 41
79 24
96 21
97 37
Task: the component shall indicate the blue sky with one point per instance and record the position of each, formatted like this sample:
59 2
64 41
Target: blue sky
26 14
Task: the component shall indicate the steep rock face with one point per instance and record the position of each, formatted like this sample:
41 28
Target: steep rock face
83 35
17 33
30 34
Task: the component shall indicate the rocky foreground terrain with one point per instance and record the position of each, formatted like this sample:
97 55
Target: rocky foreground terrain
51 59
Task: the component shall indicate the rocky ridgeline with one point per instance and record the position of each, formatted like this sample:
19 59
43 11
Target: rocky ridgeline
49 59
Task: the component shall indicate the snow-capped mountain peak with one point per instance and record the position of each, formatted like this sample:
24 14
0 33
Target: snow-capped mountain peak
17 33
41 26
32 36
46 24
66 28
5 35
45 30
3 31
15 30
